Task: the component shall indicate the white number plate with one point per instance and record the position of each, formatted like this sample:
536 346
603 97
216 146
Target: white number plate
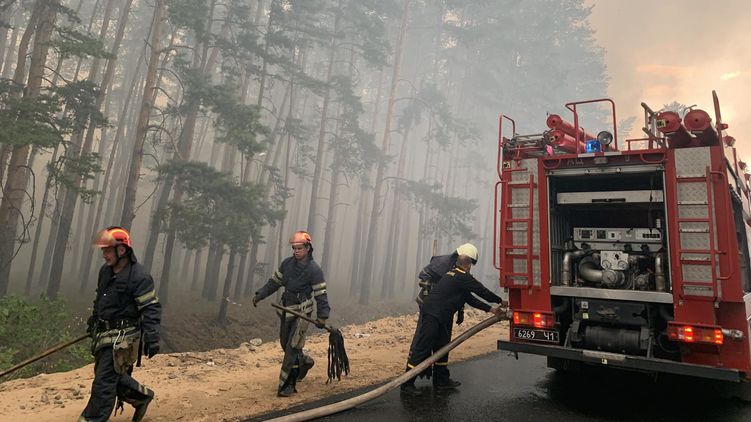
536 335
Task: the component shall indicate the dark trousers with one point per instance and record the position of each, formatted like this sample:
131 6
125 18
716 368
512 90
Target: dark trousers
291 338
431 334
109 385
442 361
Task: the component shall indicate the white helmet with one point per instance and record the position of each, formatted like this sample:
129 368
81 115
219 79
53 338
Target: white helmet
469 250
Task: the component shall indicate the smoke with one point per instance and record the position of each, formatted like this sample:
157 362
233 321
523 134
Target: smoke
678 50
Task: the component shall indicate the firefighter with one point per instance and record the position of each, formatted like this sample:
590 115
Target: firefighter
449 295
431 275
124 324
303 283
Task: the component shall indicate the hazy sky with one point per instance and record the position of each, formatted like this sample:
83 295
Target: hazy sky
661 51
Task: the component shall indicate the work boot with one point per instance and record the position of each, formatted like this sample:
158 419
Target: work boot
141 408
287 391
306 364
447 385
409 389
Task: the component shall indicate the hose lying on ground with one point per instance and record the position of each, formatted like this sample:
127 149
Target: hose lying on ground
370 395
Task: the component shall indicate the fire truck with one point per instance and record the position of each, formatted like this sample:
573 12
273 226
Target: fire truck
630 254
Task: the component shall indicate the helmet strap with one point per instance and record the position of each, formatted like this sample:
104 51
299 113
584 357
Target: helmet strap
126 255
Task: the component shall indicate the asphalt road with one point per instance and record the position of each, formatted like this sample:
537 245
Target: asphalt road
501 388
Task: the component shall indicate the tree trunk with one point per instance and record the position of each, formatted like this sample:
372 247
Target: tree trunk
210 261
360 230
357 249
196 270
17 180
184 149
4 157
240 281
320 151
224 303
105 85
88 227
113 208
142 126
38 232
4 28
213 276
155 224
389 278
373 226
12 46
185 265
264 64
328 236
117 145
78 147
250 283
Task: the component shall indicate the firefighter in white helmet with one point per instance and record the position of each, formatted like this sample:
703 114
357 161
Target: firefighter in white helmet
455 288
430 275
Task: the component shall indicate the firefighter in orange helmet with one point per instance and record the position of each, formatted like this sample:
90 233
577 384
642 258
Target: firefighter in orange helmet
303 283
124 324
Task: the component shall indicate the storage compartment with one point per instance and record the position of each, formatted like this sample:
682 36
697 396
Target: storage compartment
607 230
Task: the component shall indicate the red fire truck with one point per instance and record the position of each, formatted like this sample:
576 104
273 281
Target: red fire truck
633 254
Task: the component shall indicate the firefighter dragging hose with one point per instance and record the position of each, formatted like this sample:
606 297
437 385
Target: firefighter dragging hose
304 285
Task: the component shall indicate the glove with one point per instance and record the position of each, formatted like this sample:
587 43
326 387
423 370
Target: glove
91 326
255 301
321 323
460 317
151 349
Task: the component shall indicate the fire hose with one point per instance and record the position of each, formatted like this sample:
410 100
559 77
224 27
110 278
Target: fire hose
44 354
396 382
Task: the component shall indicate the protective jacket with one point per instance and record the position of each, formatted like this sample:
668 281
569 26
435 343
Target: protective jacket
454 290
432 273
303 282
125 301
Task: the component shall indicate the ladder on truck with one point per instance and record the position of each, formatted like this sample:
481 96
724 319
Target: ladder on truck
696 217
510 250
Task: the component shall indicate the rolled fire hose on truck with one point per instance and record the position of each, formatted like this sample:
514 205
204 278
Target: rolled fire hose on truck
343 405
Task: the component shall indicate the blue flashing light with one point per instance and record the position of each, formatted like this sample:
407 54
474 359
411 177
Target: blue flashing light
594 146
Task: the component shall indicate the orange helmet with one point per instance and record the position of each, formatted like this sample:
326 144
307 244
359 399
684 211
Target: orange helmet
112 236
300 237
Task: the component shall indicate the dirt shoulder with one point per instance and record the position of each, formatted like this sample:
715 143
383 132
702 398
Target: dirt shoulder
229 384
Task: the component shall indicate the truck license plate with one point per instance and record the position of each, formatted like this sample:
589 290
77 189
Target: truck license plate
536 335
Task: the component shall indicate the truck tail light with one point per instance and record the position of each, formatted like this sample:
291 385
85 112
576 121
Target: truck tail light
534 319
693 333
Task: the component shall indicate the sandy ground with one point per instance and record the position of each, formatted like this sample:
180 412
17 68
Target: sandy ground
229 384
